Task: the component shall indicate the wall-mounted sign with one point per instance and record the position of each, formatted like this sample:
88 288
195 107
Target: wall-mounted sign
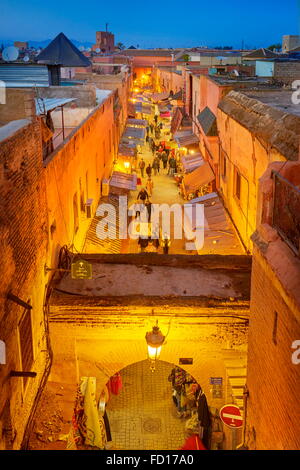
216 380
231 416
81 269
185 360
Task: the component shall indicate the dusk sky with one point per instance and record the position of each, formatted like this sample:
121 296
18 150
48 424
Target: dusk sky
153 23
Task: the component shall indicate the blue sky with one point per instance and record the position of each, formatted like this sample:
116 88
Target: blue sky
154 23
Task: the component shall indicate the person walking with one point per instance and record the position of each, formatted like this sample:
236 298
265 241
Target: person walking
154 166
143 195
165 160
153 147
142 165
149 171
149 186
151 128
165 243
172 166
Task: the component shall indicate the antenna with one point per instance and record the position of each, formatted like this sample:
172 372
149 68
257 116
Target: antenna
97 50
26 58
88 49
10 53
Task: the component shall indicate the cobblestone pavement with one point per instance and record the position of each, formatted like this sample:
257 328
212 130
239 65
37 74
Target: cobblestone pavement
143 416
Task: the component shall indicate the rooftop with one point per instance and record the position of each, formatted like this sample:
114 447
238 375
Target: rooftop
269 123
279 99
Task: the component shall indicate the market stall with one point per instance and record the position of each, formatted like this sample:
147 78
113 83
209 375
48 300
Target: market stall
199 182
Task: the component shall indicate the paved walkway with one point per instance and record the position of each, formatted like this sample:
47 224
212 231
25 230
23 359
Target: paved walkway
143 416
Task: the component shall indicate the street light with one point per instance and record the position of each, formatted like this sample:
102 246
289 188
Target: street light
154 339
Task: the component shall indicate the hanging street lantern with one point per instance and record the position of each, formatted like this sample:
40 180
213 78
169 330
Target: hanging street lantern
155 339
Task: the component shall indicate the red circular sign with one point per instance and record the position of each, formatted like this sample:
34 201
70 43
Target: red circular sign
231 416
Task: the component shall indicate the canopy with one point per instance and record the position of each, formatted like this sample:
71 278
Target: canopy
176 120
136 122
219 234
43 105
202 176
126 151
191 162
135 133
123 181
160 96
188 139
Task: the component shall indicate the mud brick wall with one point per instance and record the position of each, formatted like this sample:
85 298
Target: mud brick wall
23 245
273 380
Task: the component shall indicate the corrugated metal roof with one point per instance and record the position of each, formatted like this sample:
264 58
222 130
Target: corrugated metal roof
43 105
123 181
191 161
197 178
135 133
24 75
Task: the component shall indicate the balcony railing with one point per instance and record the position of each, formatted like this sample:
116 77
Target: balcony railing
286 211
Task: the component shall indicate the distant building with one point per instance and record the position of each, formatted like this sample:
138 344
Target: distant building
23 46
104 41
289 42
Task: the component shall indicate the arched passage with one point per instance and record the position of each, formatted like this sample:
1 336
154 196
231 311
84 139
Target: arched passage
143 415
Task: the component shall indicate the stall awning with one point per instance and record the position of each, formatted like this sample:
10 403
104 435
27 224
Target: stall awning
177 96
146 109
160 96
187 139
219 234
136 122
131 109
176 120
208 122
202 176
138 133
123 181
191 162
126 151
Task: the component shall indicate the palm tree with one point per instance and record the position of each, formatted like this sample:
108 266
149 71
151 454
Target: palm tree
121 46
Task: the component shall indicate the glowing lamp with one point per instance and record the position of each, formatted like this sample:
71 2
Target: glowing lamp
154 339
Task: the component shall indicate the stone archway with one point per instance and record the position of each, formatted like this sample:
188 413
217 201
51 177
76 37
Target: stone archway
143 416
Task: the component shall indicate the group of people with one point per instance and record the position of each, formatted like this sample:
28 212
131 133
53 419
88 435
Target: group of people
190 401
154 238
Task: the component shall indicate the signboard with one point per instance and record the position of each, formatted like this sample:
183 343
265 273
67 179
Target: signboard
216 380
81 269
231 416
185 360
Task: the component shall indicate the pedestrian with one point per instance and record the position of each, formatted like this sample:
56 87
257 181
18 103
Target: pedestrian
153 147
165 243
165 160
149 186
155 166
172 166
143 195
147 130
148 205
155 118
151 128
142 165
149 171
161 125
143 242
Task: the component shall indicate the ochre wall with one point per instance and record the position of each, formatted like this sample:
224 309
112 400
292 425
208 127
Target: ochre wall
273 380
245 152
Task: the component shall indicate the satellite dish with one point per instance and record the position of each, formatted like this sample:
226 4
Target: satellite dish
88 49
26 58
81 48
10 53
97 50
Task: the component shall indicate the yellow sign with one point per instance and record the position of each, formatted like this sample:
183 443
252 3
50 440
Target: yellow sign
81 269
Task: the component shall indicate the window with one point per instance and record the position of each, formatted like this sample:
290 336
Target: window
26 346
275 325
75 213
223 165
237 186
